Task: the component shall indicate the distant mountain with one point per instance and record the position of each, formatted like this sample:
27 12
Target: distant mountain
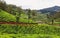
50 9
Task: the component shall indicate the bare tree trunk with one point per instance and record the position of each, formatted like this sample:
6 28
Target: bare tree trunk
52 21
17 19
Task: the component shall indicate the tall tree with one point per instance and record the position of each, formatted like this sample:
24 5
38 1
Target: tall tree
18 13
34 14
11 9
29 14
51 17
2 5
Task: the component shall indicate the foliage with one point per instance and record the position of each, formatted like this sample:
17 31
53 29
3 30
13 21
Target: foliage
3 5
28 36
4 16
29 31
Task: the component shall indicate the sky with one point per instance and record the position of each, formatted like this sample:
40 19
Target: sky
34 4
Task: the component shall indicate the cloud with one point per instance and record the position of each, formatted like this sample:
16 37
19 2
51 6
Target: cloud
34 4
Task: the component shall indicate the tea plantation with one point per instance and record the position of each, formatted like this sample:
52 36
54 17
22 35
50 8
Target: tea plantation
29 31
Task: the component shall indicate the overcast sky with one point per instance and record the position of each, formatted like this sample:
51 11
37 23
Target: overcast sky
34 4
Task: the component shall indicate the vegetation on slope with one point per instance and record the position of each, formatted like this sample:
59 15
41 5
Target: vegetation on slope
4 16
42 31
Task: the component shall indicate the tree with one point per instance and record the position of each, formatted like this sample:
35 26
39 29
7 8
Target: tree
3 5
11 9
56 15
29 14
18 13
34 14
51 17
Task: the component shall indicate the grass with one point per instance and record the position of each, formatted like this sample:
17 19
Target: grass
28 36
5 16
35 31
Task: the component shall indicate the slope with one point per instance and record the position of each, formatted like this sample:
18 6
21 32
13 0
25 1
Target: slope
5 16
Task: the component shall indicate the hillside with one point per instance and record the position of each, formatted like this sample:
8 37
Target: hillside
50 9
5 16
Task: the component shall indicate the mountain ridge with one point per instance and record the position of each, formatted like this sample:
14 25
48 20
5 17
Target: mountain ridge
50 9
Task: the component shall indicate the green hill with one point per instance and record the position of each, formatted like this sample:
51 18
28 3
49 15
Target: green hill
5 16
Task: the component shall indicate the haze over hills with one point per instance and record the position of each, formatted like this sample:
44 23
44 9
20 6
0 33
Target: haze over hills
50 9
